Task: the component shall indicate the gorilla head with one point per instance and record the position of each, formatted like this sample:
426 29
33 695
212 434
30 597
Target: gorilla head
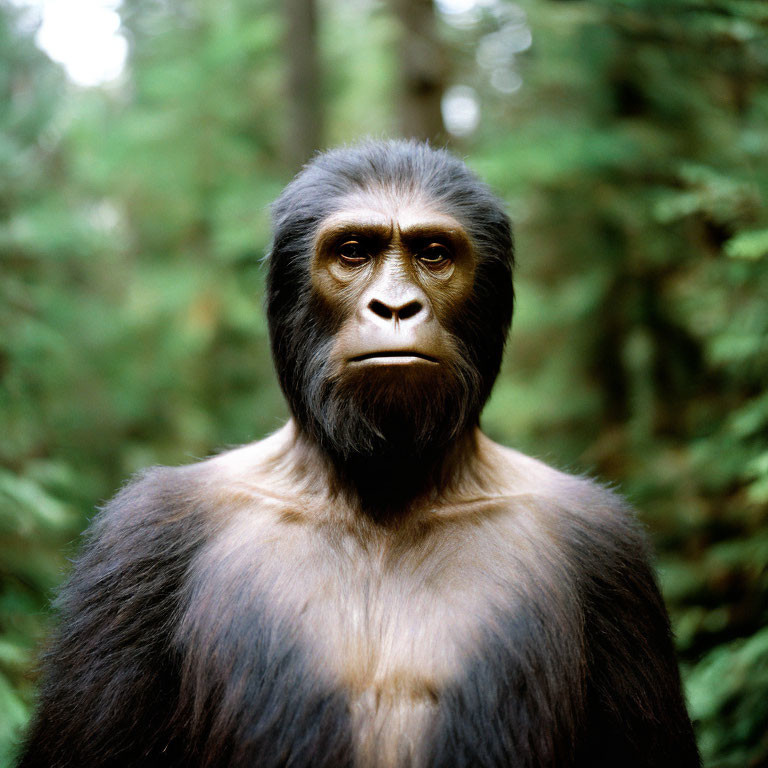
389 299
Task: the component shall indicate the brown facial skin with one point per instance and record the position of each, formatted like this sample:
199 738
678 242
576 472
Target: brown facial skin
392 276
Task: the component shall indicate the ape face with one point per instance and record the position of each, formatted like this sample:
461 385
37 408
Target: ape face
392 276
390 297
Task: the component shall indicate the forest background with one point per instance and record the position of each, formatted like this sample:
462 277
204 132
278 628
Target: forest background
630 141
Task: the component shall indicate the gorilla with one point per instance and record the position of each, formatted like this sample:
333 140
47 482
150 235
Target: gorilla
377 584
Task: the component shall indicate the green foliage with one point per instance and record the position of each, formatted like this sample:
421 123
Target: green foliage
38 491
133 220
640 175
727 692
131 327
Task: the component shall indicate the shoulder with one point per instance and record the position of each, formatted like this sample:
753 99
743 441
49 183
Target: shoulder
585 515
518 474
165 495
600 546
152 497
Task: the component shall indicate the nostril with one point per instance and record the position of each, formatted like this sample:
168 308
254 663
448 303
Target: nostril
409 310
380 309
389 312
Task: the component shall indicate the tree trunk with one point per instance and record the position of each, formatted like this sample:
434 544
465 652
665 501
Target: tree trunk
422 70
304 135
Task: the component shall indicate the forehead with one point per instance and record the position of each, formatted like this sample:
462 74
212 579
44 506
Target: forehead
390 207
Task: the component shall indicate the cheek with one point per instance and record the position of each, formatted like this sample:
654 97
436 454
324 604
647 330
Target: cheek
344 338
333 310
450 303
337 295
450 292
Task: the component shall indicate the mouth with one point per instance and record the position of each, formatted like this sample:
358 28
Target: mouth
394 357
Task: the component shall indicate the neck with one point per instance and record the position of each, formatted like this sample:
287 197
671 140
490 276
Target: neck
389 483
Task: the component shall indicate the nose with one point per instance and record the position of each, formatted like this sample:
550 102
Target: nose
396 310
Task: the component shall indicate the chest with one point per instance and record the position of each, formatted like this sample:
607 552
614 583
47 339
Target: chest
390 629
388 622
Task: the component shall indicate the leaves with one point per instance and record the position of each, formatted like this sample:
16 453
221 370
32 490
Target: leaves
133 221
748 245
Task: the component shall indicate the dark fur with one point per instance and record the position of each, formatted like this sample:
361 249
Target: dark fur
121 688
581 675
586 681
156 663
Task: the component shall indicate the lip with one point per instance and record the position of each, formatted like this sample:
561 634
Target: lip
394 357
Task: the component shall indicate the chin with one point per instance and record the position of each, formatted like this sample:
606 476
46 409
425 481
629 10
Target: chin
396 409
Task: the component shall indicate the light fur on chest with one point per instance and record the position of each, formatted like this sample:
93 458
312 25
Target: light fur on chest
388 616
390 620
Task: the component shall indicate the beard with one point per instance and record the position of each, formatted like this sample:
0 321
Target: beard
401 412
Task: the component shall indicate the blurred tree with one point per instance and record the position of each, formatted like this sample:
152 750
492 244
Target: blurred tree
630 141
638 144
132 225
304 81
360 89
43 241
423 70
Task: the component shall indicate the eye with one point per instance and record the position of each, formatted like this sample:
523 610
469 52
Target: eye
435 255
352 253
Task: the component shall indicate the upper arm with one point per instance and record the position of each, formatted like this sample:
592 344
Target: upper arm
636 710
109 669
